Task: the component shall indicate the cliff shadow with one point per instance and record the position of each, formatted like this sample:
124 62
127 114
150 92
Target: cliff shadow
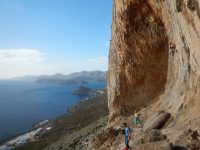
145 66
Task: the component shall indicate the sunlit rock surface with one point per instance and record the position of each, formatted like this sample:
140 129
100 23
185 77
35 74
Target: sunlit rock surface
154 66
155 58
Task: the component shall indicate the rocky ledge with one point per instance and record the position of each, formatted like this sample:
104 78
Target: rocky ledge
154 135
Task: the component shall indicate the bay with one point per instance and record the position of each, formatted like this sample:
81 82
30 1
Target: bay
24 103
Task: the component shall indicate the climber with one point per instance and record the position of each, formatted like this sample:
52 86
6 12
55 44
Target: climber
138 121
127 134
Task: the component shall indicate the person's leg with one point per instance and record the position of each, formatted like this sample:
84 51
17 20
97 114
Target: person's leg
138 123
127 142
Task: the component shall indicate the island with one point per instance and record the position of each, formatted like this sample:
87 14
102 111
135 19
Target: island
82 90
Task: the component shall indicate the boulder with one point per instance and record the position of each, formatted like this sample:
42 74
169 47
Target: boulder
109 135
156 121
153 136
136 141
160 145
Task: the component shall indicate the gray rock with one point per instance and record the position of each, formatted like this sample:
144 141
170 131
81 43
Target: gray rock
136 141
153 136
156 121
160 145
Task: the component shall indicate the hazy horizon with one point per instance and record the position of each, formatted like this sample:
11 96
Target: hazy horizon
48 37
50 74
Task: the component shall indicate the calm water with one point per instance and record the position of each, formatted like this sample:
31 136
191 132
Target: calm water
24 103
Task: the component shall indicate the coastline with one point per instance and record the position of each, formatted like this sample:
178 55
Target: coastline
26 137
48 127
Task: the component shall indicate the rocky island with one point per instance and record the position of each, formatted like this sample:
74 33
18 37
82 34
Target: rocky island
82 90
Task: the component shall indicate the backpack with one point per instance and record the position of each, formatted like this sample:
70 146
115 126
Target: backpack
123 130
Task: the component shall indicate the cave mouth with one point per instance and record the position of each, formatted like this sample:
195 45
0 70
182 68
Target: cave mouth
147 52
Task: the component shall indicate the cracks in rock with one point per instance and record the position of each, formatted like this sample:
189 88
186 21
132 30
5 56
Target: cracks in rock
196 4
187 52
186 48
191 5
173 49
179 5
196 61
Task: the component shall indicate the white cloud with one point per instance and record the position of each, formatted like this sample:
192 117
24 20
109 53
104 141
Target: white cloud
99 60
20 56
19 62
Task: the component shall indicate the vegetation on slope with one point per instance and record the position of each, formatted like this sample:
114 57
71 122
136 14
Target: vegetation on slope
68 124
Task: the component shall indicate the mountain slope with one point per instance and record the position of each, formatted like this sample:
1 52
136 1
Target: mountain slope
78 77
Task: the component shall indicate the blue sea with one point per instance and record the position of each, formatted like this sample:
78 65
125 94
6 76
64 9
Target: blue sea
24 103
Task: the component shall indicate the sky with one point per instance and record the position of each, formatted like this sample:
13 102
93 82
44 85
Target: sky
53 36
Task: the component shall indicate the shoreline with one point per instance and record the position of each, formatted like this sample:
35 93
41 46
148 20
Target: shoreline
44 127
26 137
19 105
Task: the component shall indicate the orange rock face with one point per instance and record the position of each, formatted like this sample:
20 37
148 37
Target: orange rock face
155 57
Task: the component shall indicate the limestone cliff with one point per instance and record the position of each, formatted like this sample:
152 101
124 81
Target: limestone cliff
155 58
